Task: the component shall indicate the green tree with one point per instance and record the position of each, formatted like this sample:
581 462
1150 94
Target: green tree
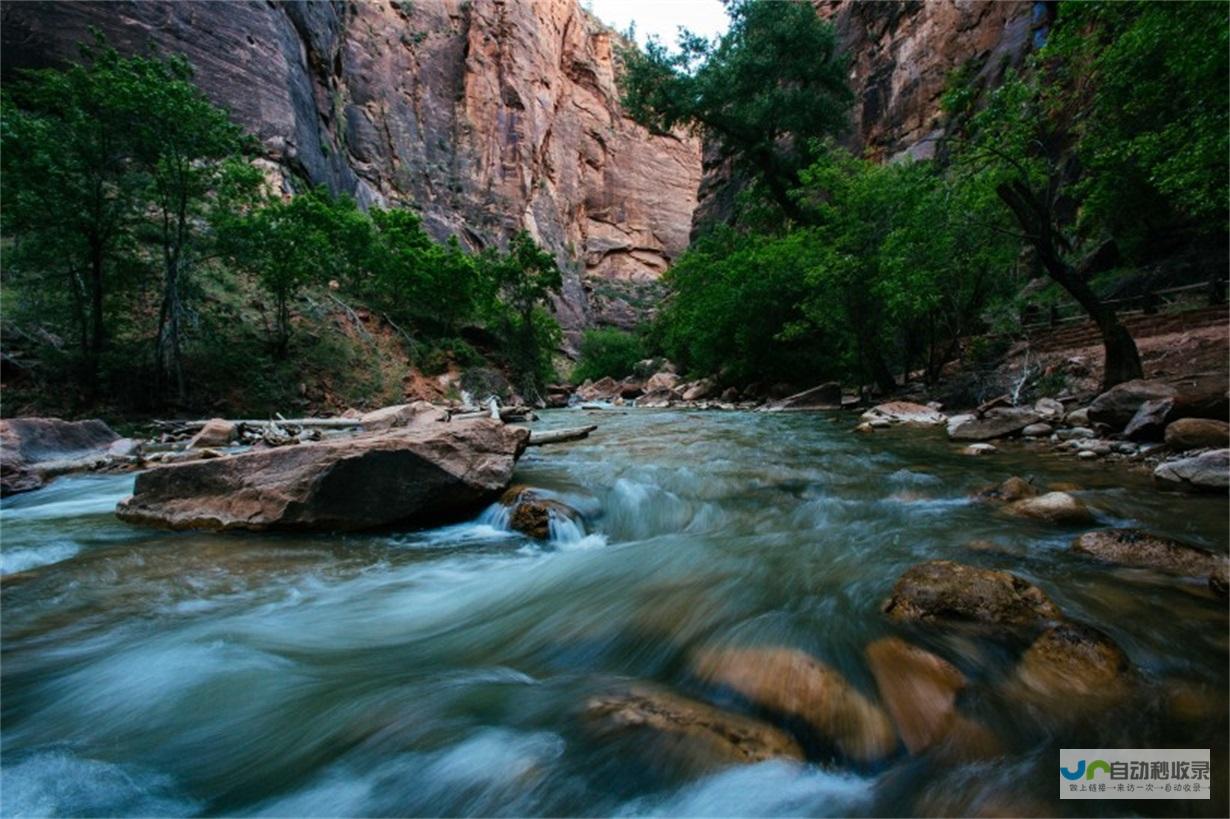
68 183
427 285
606 351
1116 131
519 285
736 308
293 243
763 92
186 146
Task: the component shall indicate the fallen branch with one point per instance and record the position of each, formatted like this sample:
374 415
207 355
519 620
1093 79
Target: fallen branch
538 437
320 423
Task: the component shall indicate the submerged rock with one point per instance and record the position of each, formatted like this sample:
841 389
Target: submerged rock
794 685
1208 470
918 688
1013 489
531 513
1070 667
34 449
905 412
416 475
1053 507
1134 547
692 733
1197 433
947 590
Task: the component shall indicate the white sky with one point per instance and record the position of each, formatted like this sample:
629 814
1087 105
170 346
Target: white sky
661 17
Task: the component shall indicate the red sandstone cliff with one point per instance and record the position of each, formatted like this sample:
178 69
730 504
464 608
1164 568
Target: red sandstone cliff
486 116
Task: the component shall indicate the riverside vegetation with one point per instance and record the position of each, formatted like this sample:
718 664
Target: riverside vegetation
147 261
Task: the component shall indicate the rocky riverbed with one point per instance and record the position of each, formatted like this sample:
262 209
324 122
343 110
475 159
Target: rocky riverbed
685 613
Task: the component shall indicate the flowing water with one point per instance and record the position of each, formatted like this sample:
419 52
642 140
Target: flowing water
444 672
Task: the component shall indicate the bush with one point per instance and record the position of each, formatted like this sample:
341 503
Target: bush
608 352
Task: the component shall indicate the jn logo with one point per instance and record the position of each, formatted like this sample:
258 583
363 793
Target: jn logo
1081 770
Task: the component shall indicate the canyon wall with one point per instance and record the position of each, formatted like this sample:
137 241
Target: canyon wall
901 56
485 116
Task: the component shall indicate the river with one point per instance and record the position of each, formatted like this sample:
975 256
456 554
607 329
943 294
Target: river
443 672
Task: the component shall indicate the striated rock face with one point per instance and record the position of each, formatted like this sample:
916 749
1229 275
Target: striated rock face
901 56
486 116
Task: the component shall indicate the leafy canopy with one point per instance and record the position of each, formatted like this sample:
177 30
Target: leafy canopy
772 84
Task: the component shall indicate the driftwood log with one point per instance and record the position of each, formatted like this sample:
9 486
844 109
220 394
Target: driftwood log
538 437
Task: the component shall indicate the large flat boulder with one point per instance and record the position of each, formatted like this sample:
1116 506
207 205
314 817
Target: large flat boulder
31 447
997 423
407 476
946 590
1120 403
1208 470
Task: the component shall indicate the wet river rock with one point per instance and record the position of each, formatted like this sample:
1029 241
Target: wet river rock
531 512
946 590
1134 547
1071 667
1053 507
918 688
417 475
793 685
33 449
692 733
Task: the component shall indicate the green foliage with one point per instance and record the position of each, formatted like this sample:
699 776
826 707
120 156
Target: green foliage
1153 124
293 243
763 91
516 289
418 282
108 167
899 264
607 352
135 234
737 306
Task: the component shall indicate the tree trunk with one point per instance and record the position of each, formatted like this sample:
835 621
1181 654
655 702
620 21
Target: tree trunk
97 332
1122 359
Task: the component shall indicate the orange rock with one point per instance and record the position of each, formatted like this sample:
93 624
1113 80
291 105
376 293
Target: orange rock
792 684
918 688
